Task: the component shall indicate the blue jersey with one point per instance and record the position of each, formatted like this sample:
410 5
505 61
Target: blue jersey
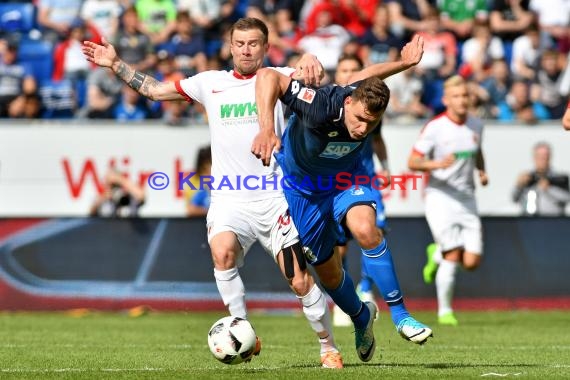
316 144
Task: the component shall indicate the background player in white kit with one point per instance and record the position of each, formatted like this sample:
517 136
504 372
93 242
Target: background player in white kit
449 147
239 217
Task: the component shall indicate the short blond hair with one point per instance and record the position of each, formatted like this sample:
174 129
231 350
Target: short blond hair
454 81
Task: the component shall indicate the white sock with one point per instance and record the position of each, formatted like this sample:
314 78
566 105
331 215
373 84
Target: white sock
437 255
445 283
318 314
232 290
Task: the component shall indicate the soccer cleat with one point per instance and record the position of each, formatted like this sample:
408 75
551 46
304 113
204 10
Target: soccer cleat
332 359
448 319
430 269
340 318
414 331
364 338
257 350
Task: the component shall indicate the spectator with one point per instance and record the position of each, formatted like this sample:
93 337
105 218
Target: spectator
438 62
405 97
157 19
519 107
131 106
440 49
547 84
188 47
510 19
326 42
120 197
497 84
527 50
173 111
459 16
478 52
134 46
407 16
198 201
55 17
542 191
103 15
478 100
103 92
554 20
378 43
68 58
18 87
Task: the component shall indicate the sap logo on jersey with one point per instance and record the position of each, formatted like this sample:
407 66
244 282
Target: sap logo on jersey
338 149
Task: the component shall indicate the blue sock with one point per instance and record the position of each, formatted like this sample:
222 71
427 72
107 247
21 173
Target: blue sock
365 280
346 298
379 265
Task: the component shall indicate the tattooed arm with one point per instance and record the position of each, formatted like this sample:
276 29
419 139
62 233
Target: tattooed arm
106 56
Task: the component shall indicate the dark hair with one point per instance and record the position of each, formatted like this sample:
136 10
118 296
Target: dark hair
373 93
248 23
203 157
350 57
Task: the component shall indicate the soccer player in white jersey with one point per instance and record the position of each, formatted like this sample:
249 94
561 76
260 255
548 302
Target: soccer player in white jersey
241 212
449 148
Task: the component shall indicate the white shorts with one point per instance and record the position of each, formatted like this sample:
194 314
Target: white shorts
267 221
454 223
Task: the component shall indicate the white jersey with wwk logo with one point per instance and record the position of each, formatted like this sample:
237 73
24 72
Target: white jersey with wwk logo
441 137
229 99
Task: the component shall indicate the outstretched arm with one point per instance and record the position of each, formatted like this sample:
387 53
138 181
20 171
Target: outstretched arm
105 56
269 86
411 55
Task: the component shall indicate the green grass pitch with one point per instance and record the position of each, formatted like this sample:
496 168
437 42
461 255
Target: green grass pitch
518 344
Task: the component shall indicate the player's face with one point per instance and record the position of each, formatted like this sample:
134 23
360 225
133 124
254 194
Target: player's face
358 120
344 70
456 99
248 50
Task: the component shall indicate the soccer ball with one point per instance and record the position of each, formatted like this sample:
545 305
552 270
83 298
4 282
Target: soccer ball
232 340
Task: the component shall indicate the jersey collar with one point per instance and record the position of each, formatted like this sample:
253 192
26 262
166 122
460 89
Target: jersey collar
243 77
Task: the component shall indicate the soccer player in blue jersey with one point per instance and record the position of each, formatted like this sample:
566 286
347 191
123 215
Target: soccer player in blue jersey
321 159
347 65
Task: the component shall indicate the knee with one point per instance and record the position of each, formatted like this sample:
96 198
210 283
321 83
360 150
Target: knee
224 258
301 285
471 261
368 236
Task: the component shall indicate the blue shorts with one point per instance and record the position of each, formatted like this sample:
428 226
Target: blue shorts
318 218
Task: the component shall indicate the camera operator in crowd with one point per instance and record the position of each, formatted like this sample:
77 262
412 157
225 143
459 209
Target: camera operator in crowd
121 198
542 191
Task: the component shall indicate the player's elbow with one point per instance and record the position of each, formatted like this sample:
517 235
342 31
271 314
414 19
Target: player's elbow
566 123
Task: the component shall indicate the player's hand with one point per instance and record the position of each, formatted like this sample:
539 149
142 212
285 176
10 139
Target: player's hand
413 51
310 69
446 162
483 178
102 55
263 145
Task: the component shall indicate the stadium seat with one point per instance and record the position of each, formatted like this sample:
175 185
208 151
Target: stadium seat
39 55
16 17
58 99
